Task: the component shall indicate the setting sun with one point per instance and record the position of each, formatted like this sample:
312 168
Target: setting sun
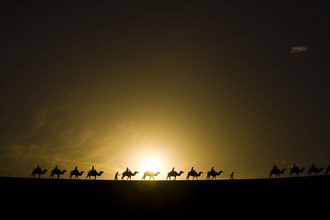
151 163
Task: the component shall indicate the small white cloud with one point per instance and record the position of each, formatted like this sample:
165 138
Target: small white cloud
298 49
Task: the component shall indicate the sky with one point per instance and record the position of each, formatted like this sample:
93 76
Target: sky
234 85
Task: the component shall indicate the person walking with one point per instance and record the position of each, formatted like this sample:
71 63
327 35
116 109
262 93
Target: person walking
231 176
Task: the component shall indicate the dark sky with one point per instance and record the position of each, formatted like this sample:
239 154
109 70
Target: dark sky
188 83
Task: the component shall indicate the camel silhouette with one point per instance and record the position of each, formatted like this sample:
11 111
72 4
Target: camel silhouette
315 170
76 173
213 174
194 174
296 170
93 173
128 174
150 174
173 174
57 172
276 171
38 171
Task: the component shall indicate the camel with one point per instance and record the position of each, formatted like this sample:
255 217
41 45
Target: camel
76 173
213 173
173 174
296 170
194 174
150 174
276 171
57 172
315 170
38 171
128 174
93 173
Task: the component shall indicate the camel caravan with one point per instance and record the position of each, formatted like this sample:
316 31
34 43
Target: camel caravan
295 171
275 172
57 173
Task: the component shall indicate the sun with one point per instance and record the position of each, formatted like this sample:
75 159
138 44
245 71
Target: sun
151 163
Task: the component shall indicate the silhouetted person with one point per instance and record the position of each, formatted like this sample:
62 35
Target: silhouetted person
116 175
192 169
38 168
127 170
56 168
328 170
294 165
93 168
212 169
173 169
76 168
275 167
231 176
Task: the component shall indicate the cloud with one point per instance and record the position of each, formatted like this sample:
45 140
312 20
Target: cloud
298 49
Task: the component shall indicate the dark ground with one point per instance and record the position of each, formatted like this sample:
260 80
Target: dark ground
257 198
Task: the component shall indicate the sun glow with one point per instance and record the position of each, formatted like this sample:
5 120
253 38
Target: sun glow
152 164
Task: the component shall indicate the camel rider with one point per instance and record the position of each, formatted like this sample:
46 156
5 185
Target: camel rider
173 169
275 167
192 169
295 167
212 169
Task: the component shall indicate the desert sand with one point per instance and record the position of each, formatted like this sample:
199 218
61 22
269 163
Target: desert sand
170 199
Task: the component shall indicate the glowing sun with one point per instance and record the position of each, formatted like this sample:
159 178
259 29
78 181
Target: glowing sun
151 164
